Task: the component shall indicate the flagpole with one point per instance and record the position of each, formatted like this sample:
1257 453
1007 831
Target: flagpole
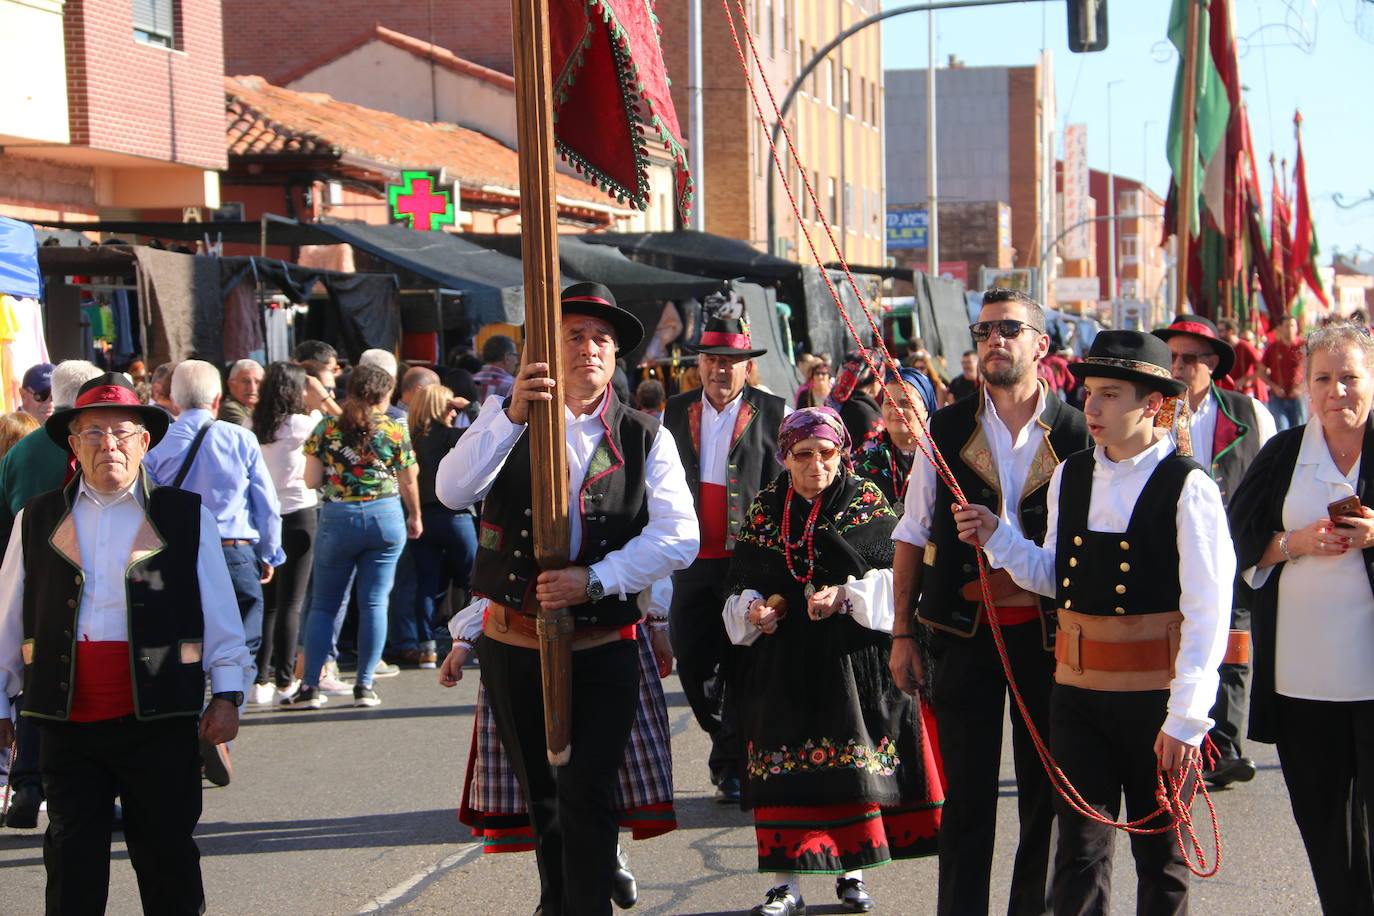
1186 195
548 455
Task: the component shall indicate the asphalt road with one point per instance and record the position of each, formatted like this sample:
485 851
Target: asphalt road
350 812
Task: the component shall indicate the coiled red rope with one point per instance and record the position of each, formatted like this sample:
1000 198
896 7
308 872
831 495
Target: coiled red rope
1175 791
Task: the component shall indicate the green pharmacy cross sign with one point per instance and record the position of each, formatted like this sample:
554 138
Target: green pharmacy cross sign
421 202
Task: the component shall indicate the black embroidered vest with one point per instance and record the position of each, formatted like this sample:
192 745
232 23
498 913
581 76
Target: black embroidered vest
750 465
949 562
615 508
1110 573
166 624
1235 442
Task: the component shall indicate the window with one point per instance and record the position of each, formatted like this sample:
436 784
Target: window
815 77
849 207
797 67
830 82
771 28
816 190
876 104
845 92
155 22
832 205
1130 249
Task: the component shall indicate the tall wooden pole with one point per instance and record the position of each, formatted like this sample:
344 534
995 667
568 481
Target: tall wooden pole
1186 192
548 455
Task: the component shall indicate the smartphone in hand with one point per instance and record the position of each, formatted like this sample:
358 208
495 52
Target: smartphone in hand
1349 505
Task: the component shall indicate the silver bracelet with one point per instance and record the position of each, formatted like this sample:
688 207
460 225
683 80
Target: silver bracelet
1283 546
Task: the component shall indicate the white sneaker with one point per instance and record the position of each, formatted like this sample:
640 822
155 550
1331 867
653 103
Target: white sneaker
385 669
285 693
262 695
333 685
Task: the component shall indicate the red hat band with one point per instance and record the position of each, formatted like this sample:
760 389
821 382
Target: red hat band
725 339
1192 327
108 396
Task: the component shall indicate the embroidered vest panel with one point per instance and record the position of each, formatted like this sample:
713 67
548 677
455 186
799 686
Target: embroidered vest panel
615 508
750 465
166 623
1109 573
1235 443
949 562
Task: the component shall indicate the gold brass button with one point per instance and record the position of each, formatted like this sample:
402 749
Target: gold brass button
1066 582
1073 561
1067 604
1125 567
1125 545
1121 589
524 533
1121 610
1077 541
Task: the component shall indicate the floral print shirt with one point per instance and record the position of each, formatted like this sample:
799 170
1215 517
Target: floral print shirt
352 475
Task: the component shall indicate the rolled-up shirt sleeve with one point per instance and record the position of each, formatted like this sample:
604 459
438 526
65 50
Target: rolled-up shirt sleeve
12 618
1030 565
870 600
466 473
1206 571
735 613
669 541
224 653
919 503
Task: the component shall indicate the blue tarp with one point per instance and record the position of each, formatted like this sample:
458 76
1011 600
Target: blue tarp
19 274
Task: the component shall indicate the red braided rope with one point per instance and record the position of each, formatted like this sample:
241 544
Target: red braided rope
1176 793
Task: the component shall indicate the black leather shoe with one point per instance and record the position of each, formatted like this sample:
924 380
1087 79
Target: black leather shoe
779 902
853 896
24 802
624 888
1229 770
727 791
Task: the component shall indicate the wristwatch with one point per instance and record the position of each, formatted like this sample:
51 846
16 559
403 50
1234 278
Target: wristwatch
595 590
233 696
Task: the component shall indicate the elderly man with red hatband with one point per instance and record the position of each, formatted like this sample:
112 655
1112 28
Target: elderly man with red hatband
726 435
630 525
115 603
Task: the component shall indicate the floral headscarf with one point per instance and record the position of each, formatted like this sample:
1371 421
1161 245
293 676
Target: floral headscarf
811 423
919 381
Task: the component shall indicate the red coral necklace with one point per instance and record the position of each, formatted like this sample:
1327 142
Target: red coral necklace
807 537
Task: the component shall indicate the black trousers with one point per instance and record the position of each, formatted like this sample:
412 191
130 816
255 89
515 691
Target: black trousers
1327 753
1233 698
154 767
572 807
702 650
284 597
970 700
1104 743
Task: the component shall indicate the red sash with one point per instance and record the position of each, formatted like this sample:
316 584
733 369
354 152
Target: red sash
714 517
104 686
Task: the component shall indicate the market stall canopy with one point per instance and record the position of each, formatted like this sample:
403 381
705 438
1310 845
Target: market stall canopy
694 252
19 275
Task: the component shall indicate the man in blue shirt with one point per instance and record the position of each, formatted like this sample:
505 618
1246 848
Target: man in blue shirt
228 472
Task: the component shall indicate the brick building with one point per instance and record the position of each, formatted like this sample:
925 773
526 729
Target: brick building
973 235
1141 263
113 115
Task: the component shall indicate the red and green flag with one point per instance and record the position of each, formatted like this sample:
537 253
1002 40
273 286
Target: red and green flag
1302 261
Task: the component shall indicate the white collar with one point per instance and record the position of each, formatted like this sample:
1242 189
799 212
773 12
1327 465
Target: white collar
593 415
1316 453
106 500
731 405
1040 388
1146 457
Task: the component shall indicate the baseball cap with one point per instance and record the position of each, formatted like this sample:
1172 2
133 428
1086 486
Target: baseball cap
38 379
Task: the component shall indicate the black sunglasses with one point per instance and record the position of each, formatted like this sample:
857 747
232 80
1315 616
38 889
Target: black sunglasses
1006 328
39 396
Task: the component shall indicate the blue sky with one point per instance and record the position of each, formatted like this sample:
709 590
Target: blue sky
1308 54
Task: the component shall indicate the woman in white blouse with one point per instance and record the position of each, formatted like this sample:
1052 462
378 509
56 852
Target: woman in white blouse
1309 561
287 412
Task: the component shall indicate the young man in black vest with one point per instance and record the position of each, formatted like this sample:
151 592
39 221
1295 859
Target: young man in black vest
1228 429
1002 445
1138 557
726 435
115 603
631 524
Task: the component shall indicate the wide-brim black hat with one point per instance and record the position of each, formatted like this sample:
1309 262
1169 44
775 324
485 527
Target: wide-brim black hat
725 336
1133 357
599 302
111 390
1204 330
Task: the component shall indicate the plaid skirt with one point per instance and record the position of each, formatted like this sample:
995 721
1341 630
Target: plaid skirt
493 805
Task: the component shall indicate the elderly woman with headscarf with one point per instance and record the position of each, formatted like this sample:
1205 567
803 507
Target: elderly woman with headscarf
838 769
908 400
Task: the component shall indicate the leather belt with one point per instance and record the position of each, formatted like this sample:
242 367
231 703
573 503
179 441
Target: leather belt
234 542
509 626
1131 652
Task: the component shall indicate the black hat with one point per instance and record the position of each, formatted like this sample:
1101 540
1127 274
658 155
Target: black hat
109 390
724 336
1132 356
597 301
1204 330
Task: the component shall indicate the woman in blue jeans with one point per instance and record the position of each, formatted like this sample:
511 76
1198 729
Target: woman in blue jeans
444 552
363 463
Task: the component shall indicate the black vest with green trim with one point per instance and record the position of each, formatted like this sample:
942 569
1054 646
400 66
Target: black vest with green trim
751 463
615 507
1235 441
1112 573
949 562
165 623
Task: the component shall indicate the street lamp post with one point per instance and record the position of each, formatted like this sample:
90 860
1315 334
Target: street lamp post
1111 202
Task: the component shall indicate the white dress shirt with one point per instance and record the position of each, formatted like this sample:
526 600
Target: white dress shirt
1326 611
870 604
1203 425
716 430
1012 455
1206 570
466 625
105 528
668 542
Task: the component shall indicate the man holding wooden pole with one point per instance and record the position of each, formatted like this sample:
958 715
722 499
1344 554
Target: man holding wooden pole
630 523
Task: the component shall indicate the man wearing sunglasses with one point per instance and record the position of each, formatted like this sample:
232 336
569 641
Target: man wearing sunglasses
1228 430
35 391
1002 444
